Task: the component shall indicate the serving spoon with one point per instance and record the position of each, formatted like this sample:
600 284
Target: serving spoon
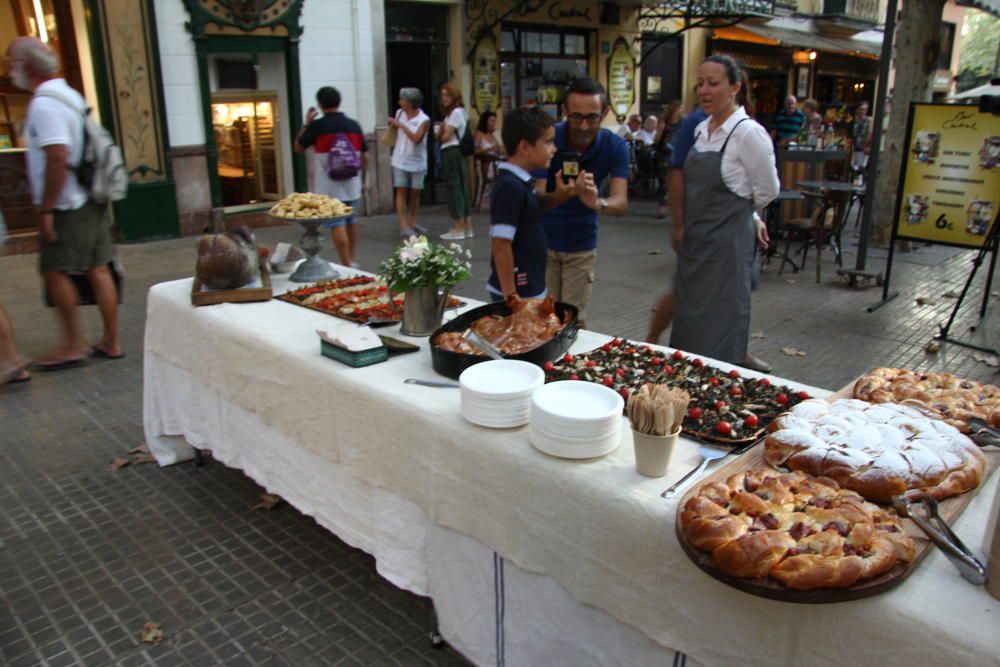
708 454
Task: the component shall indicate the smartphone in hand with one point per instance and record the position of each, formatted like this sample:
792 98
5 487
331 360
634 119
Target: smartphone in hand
570 166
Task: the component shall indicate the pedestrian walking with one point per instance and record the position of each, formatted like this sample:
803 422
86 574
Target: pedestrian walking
454 171
728 174
341 160
571 213
74 232
861 136
409 159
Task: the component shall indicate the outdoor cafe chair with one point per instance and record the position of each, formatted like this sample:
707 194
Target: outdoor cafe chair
825 224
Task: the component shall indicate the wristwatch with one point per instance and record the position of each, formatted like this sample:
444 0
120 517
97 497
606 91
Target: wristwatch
603 203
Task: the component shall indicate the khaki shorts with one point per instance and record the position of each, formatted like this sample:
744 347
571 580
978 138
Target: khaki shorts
84 241
569 277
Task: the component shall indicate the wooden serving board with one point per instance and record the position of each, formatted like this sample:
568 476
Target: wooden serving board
453 302
200 297
753 460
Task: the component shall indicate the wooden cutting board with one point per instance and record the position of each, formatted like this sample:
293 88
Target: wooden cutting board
949 510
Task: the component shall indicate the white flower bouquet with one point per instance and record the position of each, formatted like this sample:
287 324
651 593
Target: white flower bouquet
419 263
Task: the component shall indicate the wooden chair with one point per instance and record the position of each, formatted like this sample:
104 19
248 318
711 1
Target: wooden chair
825 224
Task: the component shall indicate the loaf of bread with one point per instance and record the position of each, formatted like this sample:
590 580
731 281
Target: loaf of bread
877 450
227 261
805 532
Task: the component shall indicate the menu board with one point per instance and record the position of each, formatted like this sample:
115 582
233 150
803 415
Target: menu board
950 183
621 77
485 76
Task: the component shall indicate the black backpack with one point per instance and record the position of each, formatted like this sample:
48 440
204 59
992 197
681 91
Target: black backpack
467 145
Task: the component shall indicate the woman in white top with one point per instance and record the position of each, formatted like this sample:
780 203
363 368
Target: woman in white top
409 159
454 171
647 135
729 173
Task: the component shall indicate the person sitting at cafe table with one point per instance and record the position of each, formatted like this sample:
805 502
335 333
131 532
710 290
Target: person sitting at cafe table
787 122
517 267
812 127
485 137
630 130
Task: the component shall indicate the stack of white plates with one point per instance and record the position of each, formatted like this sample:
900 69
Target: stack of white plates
498 393
576 420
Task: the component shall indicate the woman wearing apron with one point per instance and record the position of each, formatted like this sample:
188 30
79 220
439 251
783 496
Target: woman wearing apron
729 173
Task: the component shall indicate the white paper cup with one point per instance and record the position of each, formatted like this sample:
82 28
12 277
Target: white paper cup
653 452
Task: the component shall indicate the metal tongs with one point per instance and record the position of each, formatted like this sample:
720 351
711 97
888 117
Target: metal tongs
940 534
982 433
482 344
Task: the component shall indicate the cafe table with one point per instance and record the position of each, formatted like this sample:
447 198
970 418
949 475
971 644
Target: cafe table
529 559
838 186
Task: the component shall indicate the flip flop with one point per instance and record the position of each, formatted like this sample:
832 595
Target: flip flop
23 377
48 366
101 354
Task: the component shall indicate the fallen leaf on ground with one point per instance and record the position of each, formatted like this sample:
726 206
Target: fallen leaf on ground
988 359
118 464
141 449
792 352
926 301
267 501
151 634
758 334
995 293
791 281
932 347
951 294
139 459
655 252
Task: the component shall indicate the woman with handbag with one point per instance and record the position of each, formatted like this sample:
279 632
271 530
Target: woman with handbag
455 173
408 136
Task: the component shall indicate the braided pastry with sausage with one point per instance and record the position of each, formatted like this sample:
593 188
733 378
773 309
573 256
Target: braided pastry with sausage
805 532
950 397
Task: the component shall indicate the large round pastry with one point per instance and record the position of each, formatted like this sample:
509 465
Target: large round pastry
952 398
878 450
806 532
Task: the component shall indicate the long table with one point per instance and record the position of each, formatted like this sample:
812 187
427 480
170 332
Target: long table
529 559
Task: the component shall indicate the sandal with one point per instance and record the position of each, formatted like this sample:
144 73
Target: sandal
14 371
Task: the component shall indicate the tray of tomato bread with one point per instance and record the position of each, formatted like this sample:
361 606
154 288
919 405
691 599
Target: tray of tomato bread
806 515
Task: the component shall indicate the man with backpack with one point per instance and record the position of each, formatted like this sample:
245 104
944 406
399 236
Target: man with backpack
339 167
74 229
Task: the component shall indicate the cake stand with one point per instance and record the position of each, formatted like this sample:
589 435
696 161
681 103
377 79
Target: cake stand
313 268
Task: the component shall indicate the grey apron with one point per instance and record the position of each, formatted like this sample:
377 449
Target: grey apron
714 265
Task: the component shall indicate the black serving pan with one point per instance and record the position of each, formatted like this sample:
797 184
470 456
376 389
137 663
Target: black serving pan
451 364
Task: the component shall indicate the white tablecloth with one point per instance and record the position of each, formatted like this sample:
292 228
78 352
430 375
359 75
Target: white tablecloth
393 469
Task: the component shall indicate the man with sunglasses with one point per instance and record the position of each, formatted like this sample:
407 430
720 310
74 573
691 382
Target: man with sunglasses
572 204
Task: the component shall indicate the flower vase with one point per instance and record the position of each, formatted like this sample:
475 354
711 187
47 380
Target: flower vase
423 309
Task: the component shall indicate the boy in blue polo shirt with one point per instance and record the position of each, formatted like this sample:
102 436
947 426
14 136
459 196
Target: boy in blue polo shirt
518 261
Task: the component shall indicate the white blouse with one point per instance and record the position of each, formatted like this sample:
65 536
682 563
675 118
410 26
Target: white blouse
748 166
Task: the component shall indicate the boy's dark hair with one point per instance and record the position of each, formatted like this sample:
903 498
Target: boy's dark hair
524 123
328 97
584 85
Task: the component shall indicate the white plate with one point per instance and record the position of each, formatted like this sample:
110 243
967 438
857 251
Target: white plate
573 427
490 421
573 437
572 451
502 378
578 401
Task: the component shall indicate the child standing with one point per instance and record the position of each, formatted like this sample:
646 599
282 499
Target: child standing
519 255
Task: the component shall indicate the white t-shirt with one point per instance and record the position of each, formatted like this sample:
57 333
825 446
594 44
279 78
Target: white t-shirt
748 167
458 119
51 122
406 154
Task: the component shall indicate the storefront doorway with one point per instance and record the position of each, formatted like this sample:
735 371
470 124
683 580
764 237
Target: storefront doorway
249 163
660 74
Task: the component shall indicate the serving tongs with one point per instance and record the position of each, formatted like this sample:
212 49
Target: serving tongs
482 344
982 433
939 533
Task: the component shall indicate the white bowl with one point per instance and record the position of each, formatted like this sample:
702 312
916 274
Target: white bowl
502 379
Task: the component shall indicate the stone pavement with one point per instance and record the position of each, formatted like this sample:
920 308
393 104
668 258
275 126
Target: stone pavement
88 555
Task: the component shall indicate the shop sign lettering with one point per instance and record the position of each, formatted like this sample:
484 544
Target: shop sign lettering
556 11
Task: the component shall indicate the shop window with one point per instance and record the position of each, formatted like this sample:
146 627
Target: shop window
538 64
